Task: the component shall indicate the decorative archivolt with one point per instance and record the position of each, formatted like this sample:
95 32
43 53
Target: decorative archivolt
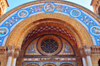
90 23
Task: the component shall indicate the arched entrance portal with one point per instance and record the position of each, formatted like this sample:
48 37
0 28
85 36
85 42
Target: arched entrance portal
49 37
51 42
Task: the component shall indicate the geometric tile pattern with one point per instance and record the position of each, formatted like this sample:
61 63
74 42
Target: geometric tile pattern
50 29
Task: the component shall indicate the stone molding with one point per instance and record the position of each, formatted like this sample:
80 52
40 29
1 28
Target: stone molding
16 52
95 49
3 49
87 49
82 52
13 51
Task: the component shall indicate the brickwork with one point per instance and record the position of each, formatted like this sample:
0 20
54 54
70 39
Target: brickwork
3 56
65 21
75 29
95 55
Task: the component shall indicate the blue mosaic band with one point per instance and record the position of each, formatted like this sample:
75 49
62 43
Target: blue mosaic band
91 24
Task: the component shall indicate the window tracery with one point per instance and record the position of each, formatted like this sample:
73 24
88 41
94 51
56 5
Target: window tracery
49 45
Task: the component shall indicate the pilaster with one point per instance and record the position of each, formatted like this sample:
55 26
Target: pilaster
87 49
13 53
16 54
83 55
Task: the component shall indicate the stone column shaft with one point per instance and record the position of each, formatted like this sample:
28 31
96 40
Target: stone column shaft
89 61
9 61
10 54
14 62
83 55
16 54
84 62
88 53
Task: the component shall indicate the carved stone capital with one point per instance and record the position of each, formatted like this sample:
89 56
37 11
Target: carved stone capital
82 52
16 52
87 49
11 50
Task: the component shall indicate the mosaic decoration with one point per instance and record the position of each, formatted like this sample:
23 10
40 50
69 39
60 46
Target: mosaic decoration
49 46
3 31
1 40
49 7
23 13
56 63
9 23
64 9
84 18
95 30
67 49
98 40
31 49
49 59
75 13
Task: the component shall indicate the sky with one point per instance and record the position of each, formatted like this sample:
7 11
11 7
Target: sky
15 3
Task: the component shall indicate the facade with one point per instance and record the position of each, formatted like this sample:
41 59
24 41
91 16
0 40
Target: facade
3 6
49 33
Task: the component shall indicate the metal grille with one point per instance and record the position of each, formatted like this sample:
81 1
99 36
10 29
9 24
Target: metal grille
49 45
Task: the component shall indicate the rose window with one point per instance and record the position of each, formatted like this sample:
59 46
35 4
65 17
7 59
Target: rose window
49 45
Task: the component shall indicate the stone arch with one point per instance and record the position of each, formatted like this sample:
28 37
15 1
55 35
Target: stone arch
17 36
80 22
83 16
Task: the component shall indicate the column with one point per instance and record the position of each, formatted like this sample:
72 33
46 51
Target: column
83 56
89 61
88 53
84 62
16 54
9 61
14 62
10 54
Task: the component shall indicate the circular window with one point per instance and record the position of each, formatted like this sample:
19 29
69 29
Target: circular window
49 45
